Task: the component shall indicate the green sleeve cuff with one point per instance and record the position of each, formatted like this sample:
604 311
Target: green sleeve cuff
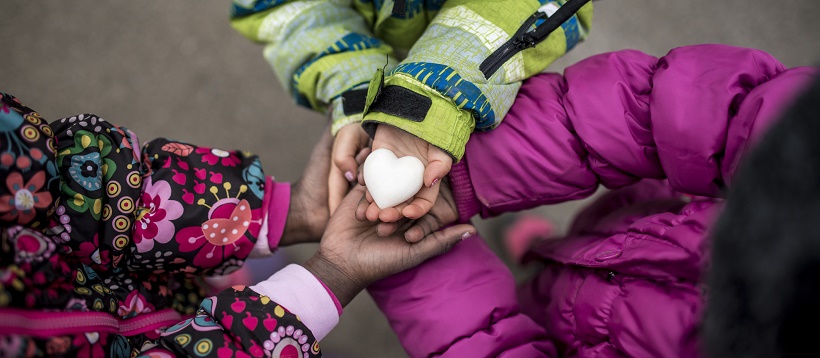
339 122
444 125
341 117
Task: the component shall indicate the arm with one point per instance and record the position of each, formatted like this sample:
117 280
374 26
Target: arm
438 92
227 188
435 98
288 313
616 118
318 49
462 304
308 299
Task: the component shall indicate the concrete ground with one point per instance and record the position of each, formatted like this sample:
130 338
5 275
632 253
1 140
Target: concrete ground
176 69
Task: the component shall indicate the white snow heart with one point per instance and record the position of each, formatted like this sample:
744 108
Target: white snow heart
392 180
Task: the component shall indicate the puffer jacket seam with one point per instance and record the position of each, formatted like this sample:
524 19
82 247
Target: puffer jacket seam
490 325
574 305
540 200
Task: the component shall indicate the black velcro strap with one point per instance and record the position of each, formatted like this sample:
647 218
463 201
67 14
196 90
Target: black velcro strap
353 101
401 102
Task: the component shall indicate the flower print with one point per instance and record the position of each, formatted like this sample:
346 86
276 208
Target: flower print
89 251
155 212
120 347
129 141
30 245
89 167
86 171
288 341
213 155
9 120
155 352
23 199
180 149
255 178
224 235
76 305
58 345
90 344
133 305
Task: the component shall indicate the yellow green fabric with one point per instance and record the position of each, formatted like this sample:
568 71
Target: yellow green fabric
320 49
445 126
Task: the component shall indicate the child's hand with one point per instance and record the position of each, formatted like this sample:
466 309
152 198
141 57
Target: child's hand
350 146
443 213
436 162
352 255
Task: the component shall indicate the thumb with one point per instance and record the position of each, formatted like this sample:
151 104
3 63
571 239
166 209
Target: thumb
438 166
441 241
320 156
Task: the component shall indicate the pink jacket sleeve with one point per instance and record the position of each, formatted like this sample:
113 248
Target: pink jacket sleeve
616 118
460 304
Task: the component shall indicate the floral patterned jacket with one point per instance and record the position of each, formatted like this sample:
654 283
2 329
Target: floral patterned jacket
103 246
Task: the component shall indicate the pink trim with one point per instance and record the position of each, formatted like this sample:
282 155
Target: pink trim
332 296
278 207
54 323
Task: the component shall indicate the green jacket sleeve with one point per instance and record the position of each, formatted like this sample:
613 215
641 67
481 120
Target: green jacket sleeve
319 49
438 92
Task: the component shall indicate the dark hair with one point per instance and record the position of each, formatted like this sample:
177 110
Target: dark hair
763 293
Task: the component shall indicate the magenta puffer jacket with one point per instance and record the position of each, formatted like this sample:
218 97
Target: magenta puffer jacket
627 280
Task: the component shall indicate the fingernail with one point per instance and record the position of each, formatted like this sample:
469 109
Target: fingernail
349 176
467 235
434 182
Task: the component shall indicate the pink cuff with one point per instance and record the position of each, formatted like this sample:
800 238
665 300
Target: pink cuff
467 203
278 207
302 294
329 292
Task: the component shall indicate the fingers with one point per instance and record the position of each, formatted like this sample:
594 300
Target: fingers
345 149
337 188
361 157
393 214
374 213
387 229
422 202
361 209
440 242
421 228
438 166
363 153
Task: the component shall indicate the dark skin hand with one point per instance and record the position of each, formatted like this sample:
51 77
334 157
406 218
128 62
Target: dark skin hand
441 214
352 254
308 213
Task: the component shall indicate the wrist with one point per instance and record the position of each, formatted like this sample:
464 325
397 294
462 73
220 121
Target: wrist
404 103
297 228
342 284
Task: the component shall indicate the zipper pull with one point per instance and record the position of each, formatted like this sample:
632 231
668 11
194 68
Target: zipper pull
524 38
520 41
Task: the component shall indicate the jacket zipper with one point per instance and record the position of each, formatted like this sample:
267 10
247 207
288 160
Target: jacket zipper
520 41
48 323
399 7
524 38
